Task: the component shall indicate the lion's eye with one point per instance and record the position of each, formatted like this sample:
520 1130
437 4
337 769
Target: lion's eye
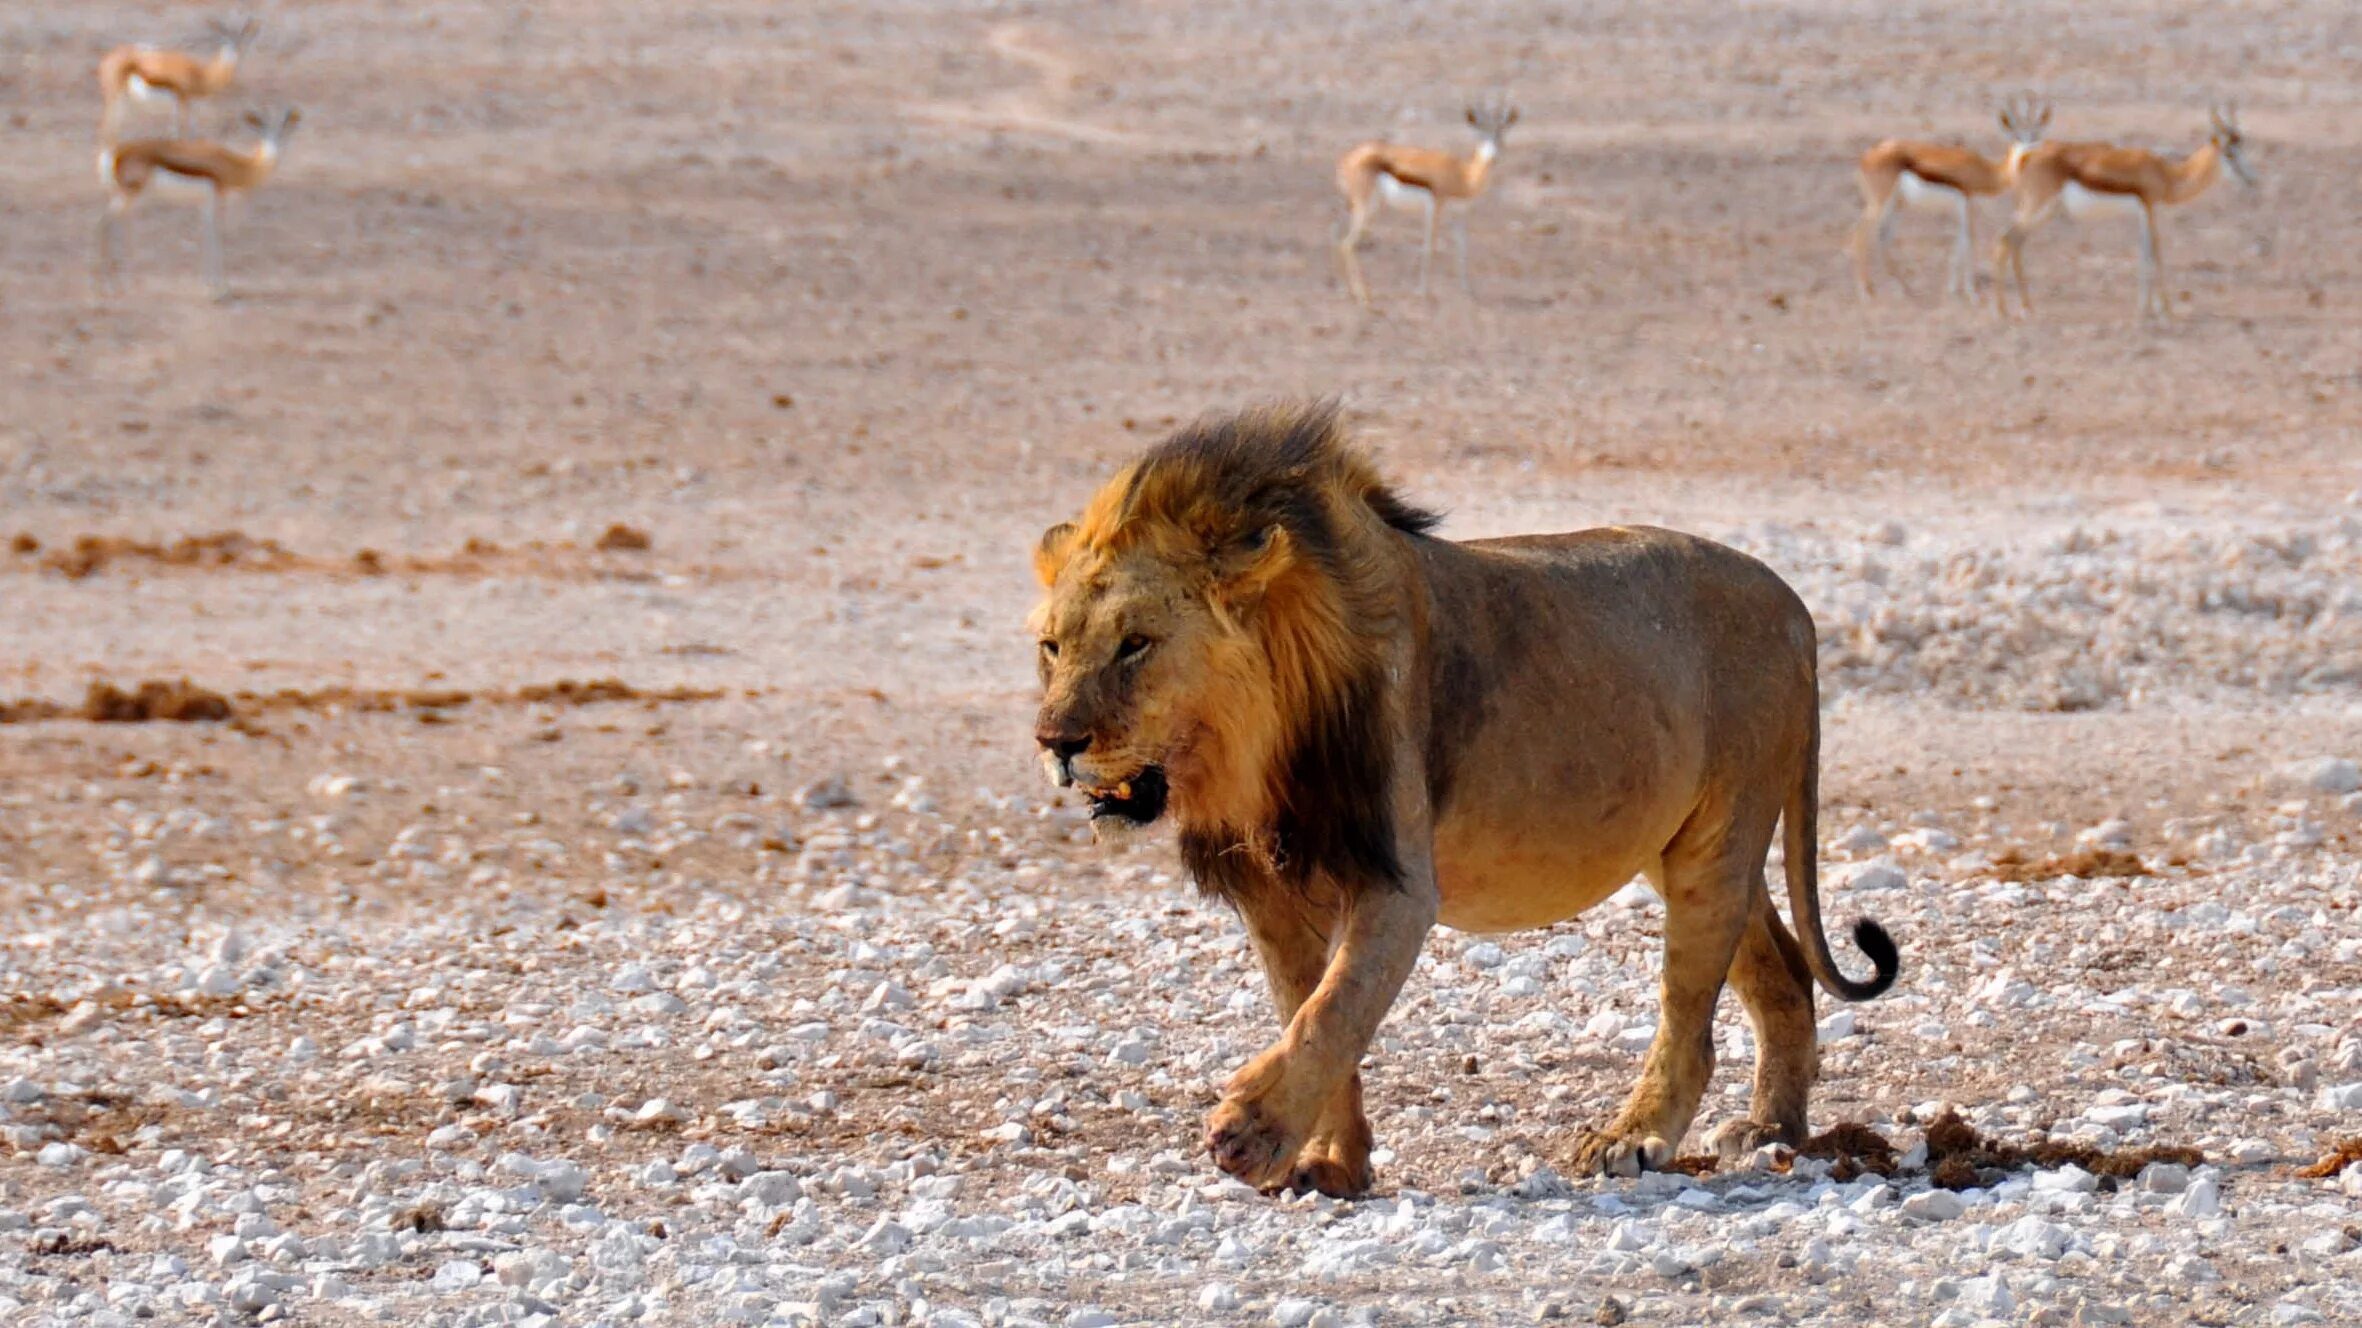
1133 647
1049 647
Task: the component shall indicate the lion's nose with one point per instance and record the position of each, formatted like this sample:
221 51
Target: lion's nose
1065 744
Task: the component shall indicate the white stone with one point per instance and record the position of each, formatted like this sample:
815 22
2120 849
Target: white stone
1991 1295
2342 1097
2069 1179
1934 1205
1877 876
772 1189
2121 1117
2320 774
2203 1198
2328 1244
2034 1238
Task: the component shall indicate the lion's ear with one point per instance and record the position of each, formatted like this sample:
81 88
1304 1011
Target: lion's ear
1243 573
1050 554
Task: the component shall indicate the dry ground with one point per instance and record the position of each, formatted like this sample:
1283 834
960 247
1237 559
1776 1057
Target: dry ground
841 303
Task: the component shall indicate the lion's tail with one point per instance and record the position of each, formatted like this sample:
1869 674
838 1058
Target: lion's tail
1802 851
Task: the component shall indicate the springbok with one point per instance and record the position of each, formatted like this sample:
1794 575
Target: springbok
1419 178
1902 173
193 171
2100 179
145 74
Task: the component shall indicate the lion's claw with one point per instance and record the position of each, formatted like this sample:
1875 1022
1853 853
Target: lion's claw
1610 1153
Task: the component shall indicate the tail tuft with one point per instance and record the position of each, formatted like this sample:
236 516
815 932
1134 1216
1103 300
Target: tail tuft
1884 957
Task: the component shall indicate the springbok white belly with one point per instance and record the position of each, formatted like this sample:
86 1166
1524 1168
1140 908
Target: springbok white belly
1397 193
173 187
1920 192
2082 203
147 93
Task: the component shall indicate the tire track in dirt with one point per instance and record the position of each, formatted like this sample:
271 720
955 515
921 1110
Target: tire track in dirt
1043 107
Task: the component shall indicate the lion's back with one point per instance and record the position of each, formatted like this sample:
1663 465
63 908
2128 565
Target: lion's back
1647 575
1661 646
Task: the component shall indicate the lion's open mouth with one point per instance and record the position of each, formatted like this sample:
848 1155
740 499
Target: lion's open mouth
1139 800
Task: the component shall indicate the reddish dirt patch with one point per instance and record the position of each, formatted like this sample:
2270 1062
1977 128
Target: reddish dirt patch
179 702
2084 864
184 702
90 554
1959 1157
2348 1152
234 551
1853 1149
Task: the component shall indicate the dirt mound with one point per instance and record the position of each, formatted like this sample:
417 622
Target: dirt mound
1958 1157
90 554
185 702
175 702
235 551
1854 1149
2348 1152
2084 864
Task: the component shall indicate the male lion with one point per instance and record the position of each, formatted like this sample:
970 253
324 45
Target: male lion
1363 730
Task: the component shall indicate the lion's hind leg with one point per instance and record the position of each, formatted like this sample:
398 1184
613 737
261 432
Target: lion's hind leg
1707 910
1777 990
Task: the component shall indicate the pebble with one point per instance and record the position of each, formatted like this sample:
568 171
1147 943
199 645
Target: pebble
2321 774
2203 1198
1934 1205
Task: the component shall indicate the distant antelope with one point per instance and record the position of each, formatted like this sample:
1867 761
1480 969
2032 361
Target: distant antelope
143 73
2100 179
192 171
1899 173
1418 178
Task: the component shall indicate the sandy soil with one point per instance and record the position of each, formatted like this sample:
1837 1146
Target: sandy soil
840 304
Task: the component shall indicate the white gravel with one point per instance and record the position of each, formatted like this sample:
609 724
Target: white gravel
874 1094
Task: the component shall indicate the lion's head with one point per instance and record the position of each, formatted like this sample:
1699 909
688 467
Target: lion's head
1210 623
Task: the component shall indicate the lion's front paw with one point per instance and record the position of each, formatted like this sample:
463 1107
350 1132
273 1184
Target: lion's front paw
1733 1142
1333 1169
1251 1142
1614 1153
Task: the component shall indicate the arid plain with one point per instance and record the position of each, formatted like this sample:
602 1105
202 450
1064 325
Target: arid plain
598 871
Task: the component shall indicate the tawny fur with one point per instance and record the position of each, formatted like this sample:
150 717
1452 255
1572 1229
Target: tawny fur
1532 722
182 77
2143 179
